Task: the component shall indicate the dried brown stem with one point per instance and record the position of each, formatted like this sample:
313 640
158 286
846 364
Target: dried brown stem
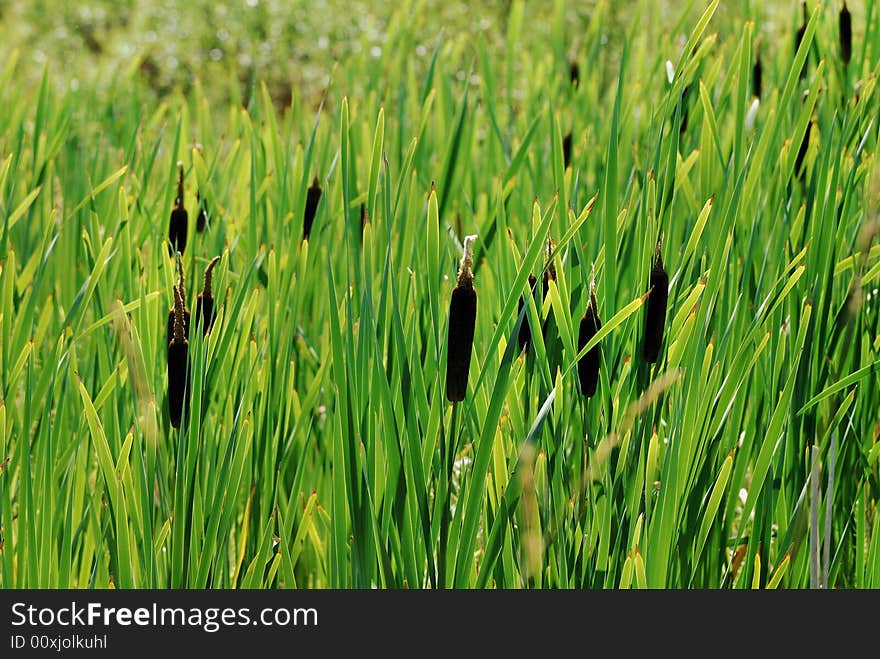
465 275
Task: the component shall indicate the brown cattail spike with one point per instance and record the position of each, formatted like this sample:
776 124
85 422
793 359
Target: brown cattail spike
205 301
177 225
202 217
313 196
685 105
178 364
845 33
566 150
757 76
799 169
525 331
588 365
574 73
462 319
655 314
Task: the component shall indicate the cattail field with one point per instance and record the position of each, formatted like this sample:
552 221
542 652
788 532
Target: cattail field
397 295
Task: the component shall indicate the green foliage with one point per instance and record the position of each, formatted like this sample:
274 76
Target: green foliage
320 450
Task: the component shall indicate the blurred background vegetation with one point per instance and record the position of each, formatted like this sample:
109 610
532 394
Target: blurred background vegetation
293 45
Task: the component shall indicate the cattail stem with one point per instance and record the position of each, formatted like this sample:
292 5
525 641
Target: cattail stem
584 446
447 462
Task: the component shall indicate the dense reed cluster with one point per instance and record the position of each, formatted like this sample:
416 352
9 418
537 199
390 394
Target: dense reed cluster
668 378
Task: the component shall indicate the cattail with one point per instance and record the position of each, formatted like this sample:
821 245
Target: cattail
205 312
313 196
549 329
550 271
549 275
462 318
177 223
186 314
201 218
588 365
685 97
655 314
799 37
845 29
757 75
566 149
525 331
799 168
574 74
178 363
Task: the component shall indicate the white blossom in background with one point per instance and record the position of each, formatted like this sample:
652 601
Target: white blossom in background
752 113
670 71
